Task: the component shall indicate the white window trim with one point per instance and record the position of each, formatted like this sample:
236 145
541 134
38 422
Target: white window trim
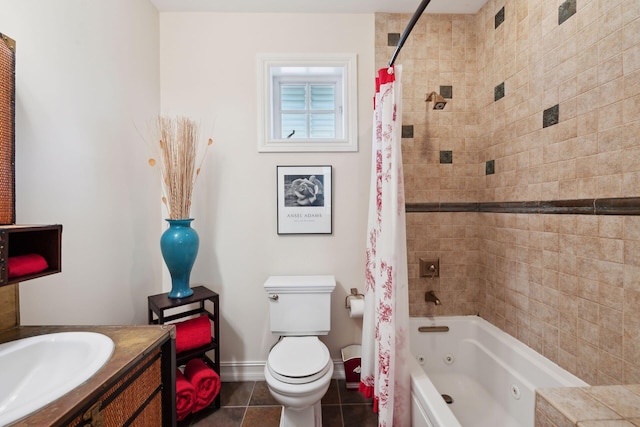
268 144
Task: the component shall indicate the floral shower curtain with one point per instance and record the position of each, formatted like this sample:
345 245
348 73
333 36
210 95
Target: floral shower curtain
385 331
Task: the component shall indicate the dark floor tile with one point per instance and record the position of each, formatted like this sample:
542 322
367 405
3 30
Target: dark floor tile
262 416
359 416
331 397
331 416
261 395
340 408
222 417
236 393
350 396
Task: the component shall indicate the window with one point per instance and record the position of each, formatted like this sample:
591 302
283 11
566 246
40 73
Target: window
307 103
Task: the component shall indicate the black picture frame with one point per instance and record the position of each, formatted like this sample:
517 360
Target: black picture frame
304 199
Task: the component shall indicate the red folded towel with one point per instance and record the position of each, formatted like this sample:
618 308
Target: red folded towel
193 333
185 395
205 380
22 265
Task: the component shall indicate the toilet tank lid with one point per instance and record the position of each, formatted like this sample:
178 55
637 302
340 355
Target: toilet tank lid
285 284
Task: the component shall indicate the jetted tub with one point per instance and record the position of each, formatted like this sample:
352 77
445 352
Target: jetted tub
490 376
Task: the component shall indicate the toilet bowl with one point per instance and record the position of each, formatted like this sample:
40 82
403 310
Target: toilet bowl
299 366
298 373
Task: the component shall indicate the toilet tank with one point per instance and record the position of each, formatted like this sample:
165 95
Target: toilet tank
300 305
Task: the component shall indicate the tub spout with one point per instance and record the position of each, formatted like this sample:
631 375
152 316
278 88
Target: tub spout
430 296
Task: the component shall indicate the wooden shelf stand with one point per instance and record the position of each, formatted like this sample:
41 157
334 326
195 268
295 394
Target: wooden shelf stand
206 302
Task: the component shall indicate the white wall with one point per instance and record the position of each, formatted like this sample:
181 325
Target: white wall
86 72
208 69
90 71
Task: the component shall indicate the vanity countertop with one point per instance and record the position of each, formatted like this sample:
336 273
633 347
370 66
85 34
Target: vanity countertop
132 344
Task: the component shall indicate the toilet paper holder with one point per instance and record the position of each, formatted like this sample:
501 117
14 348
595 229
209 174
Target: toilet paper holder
354 294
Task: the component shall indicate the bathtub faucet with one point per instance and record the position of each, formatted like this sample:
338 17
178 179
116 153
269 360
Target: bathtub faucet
430 296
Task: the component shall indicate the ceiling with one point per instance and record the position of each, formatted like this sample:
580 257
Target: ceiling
317 6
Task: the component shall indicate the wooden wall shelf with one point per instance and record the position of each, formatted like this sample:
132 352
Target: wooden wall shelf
45 240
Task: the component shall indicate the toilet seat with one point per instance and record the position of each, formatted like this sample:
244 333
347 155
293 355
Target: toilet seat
299 360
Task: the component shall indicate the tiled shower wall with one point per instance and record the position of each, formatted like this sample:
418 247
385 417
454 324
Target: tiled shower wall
545 106
441 51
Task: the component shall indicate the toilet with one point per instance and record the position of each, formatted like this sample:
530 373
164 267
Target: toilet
299 367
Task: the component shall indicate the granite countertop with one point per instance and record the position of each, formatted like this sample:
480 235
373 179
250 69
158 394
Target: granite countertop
132 343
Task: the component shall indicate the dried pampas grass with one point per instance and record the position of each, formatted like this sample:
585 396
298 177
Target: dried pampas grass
179 152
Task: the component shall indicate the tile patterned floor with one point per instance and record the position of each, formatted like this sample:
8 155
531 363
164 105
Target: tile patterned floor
249 404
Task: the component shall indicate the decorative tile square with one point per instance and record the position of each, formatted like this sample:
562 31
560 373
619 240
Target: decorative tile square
550 116
566 10
499 18
498 92
446 91
446 156
393 39
407 131
490 167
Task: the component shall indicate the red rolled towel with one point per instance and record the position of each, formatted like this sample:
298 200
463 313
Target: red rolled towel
185 395
193 333
205 380
22 265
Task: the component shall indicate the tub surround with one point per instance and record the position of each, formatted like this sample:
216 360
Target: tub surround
132 345
545 245
600 406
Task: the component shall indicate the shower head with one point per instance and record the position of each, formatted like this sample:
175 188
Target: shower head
438 100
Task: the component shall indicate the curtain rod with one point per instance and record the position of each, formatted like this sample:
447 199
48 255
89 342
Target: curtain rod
407 30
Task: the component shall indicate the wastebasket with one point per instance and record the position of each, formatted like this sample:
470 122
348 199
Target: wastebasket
351 356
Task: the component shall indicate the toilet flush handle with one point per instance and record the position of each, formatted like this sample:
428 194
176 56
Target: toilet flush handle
273 297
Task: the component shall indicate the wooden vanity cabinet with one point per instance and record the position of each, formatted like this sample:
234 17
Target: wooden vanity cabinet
143 396
135 400
135 387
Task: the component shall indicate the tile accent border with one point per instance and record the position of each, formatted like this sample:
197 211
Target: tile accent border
612 206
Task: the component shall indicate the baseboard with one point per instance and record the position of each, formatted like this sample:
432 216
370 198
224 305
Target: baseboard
254 371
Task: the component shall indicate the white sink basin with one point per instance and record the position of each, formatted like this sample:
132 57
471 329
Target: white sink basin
37 370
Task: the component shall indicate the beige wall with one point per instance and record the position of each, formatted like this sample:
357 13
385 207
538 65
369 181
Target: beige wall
566 285
208 66
83 89
86 74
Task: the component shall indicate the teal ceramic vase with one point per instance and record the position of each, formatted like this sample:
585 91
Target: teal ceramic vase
179 245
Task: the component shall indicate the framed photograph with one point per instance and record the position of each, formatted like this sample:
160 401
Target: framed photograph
304 199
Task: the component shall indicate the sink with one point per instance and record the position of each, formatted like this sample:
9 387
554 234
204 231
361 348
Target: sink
37 370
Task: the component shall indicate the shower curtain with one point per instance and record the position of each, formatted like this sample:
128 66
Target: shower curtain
385 330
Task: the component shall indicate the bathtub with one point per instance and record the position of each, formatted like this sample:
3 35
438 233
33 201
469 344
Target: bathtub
490 375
